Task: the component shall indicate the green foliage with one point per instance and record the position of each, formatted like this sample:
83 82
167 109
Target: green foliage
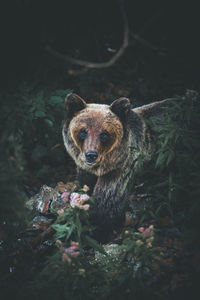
120 273
128 271
31 125
178 154
180 132
172 176
74 223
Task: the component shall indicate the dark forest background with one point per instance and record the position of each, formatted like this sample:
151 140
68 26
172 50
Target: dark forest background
86 29
161 61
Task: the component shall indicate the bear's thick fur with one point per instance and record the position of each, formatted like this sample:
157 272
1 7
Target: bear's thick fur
105 142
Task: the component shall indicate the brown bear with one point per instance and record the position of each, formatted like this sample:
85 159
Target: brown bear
105 143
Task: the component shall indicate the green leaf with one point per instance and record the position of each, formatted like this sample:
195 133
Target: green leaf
49 122
71 229
78 225
142 219
56 100
61 230
152 214
40 114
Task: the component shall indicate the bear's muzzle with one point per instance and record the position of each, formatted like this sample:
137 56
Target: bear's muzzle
91 157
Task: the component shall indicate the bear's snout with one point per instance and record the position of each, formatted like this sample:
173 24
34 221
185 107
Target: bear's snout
91 157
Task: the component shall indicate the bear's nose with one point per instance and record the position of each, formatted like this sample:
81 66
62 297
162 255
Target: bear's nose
91 156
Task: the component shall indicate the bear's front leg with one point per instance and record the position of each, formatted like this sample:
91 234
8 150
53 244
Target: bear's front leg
110 198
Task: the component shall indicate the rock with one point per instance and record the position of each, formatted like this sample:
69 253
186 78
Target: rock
41 201
59 204
111 249
41 223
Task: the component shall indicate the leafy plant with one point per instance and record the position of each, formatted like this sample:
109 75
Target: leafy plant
77 267
31 123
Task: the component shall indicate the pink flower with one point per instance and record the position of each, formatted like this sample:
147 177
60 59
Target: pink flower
66 258
85 206
70 249
74 244
84 198
75 196
78 200
141 229
75 254
75 199
65 196
146 232
86 188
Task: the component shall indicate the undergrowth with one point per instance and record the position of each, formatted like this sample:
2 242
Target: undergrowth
78 267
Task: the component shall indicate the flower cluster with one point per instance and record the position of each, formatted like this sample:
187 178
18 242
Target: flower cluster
76 199
148 234
69 252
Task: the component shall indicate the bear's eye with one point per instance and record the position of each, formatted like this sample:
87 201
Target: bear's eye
82 134
104 137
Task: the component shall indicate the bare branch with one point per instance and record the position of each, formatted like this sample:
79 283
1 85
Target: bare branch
96 65
144 42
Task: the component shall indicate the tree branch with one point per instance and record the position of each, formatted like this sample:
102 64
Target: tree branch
96 65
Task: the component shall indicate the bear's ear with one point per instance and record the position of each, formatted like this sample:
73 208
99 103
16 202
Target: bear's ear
73 104
121 107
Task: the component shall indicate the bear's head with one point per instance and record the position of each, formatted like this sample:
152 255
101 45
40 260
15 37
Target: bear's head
96 135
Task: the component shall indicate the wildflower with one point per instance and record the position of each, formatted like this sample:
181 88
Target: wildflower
70 252
75 199
149 240
78 200
74 196
65 196
70 249
76 253
85 207
73 247
58 243
86 188
74 244
141 229
149 245
146 232
84 198
66 258
139 242
151 227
